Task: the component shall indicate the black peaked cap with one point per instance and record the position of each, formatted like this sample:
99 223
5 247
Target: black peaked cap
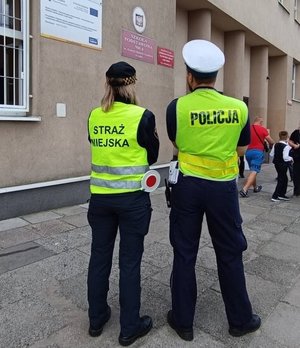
120 70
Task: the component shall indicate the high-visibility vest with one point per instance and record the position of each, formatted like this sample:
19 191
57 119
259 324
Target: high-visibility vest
118 161
209 125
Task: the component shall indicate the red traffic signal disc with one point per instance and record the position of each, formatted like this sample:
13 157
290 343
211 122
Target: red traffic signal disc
150 180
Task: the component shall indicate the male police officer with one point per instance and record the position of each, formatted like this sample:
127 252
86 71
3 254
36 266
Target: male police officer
210 131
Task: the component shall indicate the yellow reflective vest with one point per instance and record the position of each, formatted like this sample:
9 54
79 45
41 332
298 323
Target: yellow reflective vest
208 129
118 161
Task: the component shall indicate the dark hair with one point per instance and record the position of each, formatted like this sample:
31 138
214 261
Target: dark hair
202 77
207 80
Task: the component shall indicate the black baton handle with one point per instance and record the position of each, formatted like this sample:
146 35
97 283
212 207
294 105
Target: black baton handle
168 194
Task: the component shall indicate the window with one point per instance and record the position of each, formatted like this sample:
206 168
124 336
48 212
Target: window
286 4
14 57
297 10
296 82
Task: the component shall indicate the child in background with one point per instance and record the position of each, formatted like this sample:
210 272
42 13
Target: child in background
281 160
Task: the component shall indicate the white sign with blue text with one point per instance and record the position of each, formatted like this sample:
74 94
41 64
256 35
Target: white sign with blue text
78 21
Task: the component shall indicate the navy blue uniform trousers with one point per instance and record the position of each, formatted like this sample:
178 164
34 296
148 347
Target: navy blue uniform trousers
191 199
296 177
131 213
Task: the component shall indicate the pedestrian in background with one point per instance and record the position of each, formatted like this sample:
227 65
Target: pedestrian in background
255 155
281 160
124 143
241 166
210 131
294 142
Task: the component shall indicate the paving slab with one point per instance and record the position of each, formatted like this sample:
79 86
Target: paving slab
251 252
75 290
264 294
10 238
277 217
65 265
156 305
23 254
22 283
285 322
86 249
290 239
64 241
85 205
158 254
293 297
73 210
277 271
263 341
165 337
12 224
280 251
40 217
74 334
294 228
210 318
248 217
286 211
206 258
78 220
47 228
265 225
256 234
28 320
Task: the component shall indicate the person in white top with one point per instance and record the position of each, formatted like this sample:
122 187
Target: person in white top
281 160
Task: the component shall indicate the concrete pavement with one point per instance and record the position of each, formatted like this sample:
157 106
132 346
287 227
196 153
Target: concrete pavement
43 269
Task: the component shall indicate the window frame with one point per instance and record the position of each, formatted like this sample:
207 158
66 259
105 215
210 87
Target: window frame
23 69
296 81
297 11
284 5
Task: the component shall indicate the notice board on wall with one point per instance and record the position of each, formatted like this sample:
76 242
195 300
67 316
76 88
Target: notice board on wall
78 21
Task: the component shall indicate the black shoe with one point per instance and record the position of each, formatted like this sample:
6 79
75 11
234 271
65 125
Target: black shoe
283 198
243 193
251 326
275 199
146 326
185 334
257 188
97 332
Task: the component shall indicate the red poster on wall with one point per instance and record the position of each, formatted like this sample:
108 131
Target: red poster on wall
165 57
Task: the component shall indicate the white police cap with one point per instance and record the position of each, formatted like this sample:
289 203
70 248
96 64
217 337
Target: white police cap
203 56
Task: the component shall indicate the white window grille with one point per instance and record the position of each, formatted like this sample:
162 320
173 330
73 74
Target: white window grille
14 53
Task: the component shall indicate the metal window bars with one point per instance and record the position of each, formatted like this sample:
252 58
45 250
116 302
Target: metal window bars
13 57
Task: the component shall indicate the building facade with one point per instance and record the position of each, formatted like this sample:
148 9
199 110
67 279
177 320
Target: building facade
53 58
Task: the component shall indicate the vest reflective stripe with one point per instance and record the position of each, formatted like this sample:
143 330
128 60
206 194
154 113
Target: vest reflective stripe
207 167
116 184
205 162
120 170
